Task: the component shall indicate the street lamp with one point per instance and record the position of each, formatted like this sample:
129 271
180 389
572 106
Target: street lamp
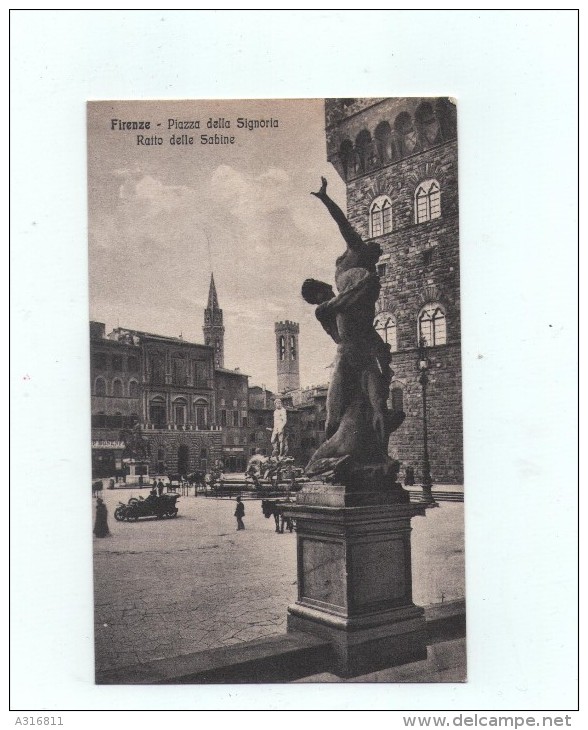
427 482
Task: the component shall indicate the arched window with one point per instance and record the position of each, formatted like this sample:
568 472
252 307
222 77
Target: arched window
432 329
384 142
447 115
346 154
117 388
179 411
157 412
363 148
427 201
380 216
282 347
428 124
385 324
201 410
396 399
133 389
100 387
292 348
406 133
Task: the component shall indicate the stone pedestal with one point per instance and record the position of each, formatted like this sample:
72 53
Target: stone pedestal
354 575
138 472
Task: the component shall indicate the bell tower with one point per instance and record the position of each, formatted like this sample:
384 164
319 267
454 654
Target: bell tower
287 355
214 330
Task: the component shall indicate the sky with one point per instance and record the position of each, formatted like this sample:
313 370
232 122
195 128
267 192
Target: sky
161 217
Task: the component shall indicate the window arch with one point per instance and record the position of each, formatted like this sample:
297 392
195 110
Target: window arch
133 389
179 411
282 347
404 127
429 127
346 154
201 411
292 347
427 201
396 398
385 324
363 147
384 142
380 216
447 115
117 388
100 387
157 411
432 325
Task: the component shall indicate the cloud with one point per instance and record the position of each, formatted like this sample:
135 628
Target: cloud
250 197
154 196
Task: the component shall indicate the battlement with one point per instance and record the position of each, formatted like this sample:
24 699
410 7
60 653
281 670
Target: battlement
287 326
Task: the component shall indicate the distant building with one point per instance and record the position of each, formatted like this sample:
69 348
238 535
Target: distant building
398 158
287 356
192 411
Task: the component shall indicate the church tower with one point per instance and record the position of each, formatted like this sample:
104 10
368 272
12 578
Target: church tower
287 356
214 331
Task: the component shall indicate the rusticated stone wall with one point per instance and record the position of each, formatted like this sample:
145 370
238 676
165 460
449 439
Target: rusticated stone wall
419 263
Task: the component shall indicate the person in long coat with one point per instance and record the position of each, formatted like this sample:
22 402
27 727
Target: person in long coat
101 524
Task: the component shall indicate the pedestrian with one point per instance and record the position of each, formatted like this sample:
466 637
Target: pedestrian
409 477
239 514
160 487
101 524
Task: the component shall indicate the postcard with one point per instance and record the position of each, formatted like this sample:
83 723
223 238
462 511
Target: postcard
277 452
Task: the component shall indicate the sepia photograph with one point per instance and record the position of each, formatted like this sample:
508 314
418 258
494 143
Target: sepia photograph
294 342
275 352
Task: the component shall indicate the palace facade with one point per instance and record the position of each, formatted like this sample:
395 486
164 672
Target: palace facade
398 158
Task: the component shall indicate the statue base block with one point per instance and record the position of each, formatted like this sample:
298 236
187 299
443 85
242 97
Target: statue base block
354 576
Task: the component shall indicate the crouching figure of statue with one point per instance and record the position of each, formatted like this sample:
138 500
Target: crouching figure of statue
359 422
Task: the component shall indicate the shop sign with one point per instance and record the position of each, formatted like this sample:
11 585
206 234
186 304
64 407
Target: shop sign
108 444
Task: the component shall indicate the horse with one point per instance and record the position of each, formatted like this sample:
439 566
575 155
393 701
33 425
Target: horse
271 508
179 478
196 479
97 486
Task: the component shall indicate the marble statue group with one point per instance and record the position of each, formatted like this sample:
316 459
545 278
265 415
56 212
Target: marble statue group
359 423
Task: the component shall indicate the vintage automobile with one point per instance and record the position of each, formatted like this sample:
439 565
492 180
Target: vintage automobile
153 506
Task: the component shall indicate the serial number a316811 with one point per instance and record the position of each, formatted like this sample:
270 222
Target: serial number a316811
41 720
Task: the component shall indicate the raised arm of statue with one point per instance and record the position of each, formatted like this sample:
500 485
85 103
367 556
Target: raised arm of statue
352 238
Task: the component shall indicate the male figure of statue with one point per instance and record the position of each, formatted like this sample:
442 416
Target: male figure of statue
279 433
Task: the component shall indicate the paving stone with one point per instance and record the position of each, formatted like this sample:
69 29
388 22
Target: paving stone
164 590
